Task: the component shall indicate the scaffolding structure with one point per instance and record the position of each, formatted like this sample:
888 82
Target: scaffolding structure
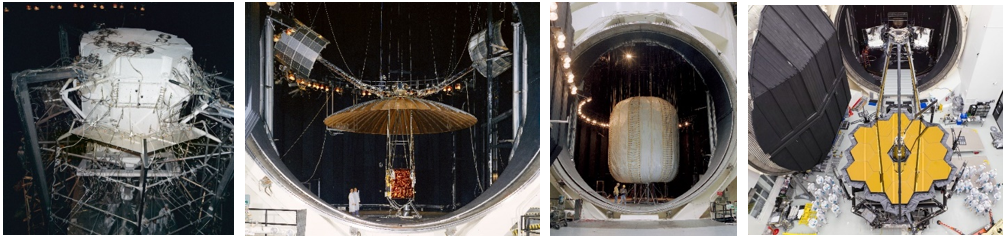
91 176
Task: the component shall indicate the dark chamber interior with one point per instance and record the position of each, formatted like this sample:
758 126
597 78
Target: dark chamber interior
650 71
412 42
929 63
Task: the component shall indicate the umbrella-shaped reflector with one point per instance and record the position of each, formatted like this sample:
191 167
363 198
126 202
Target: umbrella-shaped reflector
400 116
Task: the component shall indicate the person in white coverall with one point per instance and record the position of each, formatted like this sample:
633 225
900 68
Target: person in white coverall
353 205
356 193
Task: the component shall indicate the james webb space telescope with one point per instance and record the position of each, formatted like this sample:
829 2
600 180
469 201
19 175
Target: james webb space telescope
899 169
400 113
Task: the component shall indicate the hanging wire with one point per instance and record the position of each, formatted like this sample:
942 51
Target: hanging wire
471 135
433 52
401 61
366 49
305 129
409 15
320 155
316 12
381 88
336 41
454 36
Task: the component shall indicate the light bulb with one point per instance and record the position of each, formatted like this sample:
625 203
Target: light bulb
561 37
565 65
567 59
573 90
560 45
569 77
270 4
554 16
554 6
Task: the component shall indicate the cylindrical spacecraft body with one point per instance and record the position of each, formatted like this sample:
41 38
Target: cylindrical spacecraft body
643 141
143 79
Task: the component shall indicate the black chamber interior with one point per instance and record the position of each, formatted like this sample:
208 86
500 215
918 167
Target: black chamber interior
943 41
445 162
651 71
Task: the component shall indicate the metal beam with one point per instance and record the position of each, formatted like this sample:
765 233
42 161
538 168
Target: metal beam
31 147
143 187
490 103
81 203
222 186
21 81
267 89
503 145
499 118
199 156
46 75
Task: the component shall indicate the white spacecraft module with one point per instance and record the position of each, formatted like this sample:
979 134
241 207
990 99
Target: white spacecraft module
875 37
137 89
922 37
643 141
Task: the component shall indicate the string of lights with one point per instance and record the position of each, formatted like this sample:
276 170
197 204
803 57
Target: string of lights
29 7
559 40
588 119
447 84
560 44
381 88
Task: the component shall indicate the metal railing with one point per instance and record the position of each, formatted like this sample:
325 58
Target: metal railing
300 216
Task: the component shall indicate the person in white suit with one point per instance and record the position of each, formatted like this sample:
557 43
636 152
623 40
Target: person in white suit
356 194
353 204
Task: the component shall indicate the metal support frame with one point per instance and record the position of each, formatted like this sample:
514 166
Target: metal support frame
300 221
490 102
519 78
267 86
711 120
643 193
228 175
33 153
144 166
